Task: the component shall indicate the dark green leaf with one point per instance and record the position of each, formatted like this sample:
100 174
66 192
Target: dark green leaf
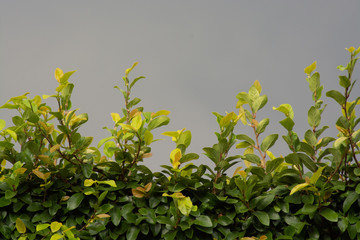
344 81
263 217
271 165
74 201
204 221
307 161
350 199
4 202
252 158
132 233
87 169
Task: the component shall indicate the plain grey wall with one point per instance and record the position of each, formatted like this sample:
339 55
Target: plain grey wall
196 56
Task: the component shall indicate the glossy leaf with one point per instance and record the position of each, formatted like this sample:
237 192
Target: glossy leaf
74 201
329 214
158 122
263 217
350 199
203 221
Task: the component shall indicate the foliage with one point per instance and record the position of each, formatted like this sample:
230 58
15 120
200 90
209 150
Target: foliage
61 187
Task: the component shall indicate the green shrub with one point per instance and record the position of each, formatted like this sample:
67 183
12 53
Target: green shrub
60 187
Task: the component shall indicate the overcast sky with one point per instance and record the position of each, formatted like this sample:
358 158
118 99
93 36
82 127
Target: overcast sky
196 56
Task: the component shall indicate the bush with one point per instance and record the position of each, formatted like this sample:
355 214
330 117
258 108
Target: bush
60 187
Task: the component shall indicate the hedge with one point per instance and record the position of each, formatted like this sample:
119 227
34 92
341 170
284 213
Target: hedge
54 184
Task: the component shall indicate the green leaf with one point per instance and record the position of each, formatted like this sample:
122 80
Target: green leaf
268 142
2 124
252 158
343 224
109 149
287 123
263 217
4 202
74 201
245 138
307 161
344 81
314 82
337 96
350 199
329 214
314 117
203 221
225 221
133 102
87 169
66 77
20 226
158 122
184 138
115 214
273 164
259 103
135 80
262 125
310 138
132 233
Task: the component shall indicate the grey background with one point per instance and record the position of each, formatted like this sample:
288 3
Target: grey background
196 56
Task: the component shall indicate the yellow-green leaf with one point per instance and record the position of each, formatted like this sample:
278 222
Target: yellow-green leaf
316 175
42 226
309 69
175 157
89 182
2 124
185 205
12 134
258 86
136 122
55 226
58 74
56 236
109 182
20 226
298 187
40 174
286 109
127 71
54 148
161 112
115 117
148 137
350 49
